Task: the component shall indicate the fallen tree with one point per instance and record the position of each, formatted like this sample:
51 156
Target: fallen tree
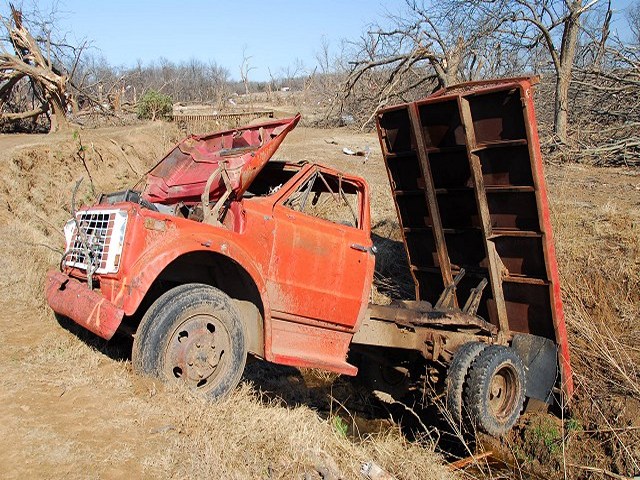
32 82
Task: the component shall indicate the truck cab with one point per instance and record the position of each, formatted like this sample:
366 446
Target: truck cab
288 243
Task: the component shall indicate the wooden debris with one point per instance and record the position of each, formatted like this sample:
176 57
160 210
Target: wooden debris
373 471
463 462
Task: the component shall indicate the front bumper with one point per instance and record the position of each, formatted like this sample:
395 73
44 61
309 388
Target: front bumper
89 309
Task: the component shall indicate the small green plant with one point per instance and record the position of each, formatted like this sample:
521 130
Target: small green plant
549 435
154 104
573 425
541 440
340 426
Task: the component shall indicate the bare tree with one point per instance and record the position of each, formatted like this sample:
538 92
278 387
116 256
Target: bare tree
33 78
245 69
439 43
556 24
605 96
455 40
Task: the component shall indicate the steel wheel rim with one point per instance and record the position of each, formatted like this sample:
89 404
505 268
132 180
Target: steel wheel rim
197 351
503 391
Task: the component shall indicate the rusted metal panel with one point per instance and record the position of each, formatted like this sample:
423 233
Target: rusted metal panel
310 346
321 269
434 342
432 202
415 314
482 153
182 174
493 261
387 333
74 300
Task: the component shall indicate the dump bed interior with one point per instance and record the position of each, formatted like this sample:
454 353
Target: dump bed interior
467 179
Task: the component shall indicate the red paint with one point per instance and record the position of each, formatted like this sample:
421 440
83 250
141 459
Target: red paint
182 174
74 300
302 266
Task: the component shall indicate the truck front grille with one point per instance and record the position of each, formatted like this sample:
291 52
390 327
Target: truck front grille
100 243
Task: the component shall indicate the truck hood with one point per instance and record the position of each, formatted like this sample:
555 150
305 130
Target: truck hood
181 176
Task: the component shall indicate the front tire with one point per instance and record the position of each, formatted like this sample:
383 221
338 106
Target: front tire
494 395
194 335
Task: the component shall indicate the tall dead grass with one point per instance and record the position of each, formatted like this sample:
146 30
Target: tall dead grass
597 229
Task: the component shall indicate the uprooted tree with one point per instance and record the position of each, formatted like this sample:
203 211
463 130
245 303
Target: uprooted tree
33 79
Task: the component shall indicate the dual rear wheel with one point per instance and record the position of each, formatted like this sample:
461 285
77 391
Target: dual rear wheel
486 387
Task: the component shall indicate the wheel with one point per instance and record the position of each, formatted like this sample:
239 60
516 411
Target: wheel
192 334
457 374
494 394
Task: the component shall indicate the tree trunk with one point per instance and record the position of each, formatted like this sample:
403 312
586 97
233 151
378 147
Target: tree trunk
565 69
59 120
29 61
561 105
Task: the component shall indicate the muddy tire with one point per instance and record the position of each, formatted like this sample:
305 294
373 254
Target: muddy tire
457 376
494 394
193 334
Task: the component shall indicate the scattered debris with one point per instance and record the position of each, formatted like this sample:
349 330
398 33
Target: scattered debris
463 462
325 466
373 471
365 152
347 119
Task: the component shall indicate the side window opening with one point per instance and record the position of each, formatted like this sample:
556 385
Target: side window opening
328 197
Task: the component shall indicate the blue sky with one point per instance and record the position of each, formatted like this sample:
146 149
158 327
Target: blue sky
275 32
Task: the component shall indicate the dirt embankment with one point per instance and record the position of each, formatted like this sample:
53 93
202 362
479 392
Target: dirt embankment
72 408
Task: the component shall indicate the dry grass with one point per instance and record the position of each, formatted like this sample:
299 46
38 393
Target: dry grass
596 219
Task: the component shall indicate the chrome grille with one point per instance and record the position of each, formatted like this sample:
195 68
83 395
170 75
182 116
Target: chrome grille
96 241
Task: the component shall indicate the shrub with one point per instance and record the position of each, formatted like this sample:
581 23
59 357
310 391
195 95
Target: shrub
154 104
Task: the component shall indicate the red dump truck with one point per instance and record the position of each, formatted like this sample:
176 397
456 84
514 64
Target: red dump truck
226 253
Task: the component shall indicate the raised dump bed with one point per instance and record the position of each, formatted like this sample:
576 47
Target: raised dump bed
466 173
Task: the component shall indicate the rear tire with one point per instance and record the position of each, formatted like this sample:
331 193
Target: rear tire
494 395
457 376
194 335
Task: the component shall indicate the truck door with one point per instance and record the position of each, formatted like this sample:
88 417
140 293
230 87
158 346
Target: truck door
322 263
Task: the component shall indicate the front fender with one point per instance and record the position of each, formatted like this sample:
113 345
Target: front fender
155 259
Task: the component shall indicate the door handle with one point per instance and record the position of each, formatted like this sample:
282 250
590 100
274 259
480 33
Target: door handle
362 248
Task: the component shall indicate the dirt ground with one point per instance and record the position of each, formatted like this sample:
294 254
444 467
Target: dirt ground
72 408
